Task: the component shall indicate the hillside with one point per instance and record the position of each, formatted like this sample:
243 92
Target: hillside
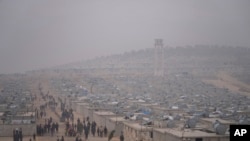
204 61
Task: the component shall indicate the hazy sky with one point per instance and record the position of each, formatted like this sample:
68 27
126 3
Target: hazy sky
36 34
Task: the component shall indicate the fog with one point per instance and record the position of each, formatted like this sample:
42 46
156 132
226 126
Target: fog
40 34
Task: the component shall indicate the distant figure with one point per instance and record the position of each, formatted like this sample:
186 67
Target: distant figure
62 139
93 128
86 132
20 134
14 135
121 137
56 126
34 136
111 135
101 131
76 138
98 132
105 131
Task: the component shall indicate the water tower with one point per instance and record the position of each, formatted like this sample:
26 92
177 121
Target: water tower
159 58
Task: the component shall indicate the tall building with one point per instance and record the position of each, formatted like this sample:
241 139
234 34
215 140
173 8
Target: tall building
159 58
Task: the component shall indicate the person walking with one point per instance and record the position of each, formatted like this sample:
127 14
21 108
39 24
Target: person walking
105 131
62 139
34 137
121 137
86 132
93 129
101 131
20 134
98 132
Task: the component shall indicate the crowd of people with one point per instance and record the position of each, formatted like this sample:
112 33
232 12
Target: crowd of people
84 127
87 127
17 135
49 127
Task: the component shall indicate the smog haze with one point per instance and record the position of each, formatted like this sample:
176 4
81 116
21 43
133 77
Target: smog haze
40 34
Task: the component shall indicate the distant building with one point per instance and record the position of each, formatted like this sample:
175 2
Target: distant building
186 135
136 132
24 120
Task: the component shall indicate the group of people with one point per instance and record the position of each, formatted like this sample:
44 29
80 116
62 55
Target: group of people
40 113
78 138
58 139
49 127
85 127
80 127
67 115
102 131
17 135
70 129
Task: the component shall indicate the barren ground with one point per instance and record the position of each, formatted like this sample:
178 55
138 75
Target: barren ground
224 80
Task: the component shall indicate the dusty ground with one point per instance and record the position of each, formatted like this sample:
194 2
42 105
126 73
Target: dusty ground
50 113
224 80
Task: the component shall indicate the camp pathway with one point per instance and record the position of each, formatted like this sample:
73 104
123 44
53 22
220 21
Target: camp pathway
55 117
